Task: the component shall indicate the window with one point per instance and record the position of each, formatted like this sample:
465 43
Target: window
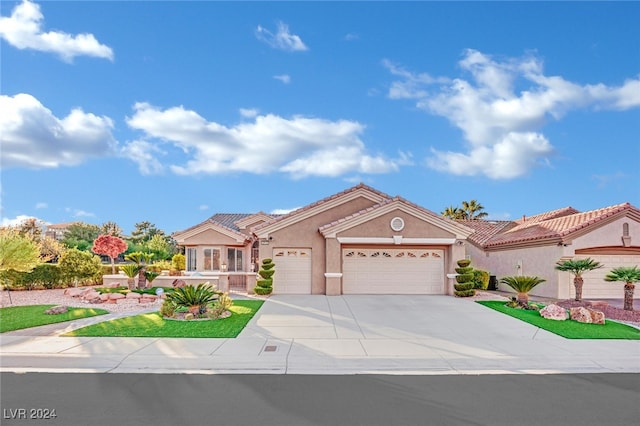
625 229
234 260
211 259
191 259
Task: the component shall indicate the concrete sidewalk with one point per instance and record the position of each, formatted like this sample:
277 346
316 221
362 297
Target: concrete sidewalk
338 335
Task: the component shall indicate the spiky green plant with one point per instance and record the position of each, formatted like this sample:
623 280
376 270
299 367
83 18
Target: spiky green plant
628 275
130 270
195 299
577 267
522 284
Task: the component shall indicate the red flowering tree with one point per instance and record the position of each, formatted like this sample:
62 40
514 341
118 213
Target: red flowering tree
111 246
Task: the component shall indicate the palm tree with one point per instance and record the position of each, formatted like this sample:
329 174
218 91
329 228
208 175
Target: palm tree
454 213
130 270
473 210
627 275
141 260
522 284
577 267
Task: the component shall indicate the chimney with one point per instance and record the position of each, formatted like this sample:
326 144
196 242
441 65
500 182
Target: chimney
524 218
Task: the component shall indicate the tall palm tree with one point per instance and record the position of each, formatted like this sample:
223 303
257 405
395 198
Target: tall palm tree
627 275
577 267
474 210
454 213
522 284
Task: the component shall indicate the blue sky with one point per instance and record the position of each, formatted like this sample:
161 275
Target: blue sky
173 111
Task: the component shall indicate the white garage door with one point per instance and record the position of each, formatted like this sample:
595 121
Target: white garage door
595 287
392 271
293 271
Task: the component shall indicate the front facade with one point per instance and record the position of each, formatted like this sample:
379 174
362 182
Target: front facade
359 241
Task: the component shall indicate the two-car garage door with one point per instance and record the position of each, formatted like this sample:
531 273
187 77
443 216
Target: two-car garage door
392 271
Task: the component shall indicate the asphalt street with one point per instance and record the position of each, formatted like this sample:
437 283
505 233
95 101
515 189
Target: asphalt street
182 399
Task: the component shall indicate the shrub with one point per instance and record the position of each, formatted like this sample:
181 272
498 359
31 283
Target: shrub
80 267
179 262
480 279
522 284
106 269
464 280
163 265
168 309
191 297
265 285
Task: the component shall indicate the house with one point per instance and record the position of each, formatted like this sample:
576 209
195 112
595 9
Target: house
57 231
362 241
533 245
358 241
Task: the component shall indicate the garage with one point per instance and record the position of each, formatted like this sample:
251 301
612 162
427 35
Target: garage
595 287
293 271
392 271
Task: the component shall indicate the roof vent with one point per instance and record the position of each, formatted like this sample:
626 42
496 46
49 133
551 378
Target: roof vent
397 224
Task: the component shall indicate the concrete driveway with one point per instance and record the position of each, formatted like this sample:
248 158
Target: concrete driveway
340 335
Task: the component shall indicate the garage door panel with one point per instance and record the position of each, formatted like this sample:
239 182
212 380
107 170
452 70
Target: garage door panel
595 287
293 271
393 271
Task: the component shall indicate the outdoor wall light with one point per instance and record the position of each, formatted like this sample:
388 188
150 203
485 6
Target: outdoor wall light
223 267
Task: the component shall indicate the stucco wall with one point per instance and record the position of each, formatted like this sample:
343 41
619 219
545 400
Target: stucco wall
413 228
305 234
608 235
210 238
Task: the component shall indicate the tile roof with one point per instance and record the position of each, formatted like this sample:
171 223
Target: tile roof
556 225
565 211
486 229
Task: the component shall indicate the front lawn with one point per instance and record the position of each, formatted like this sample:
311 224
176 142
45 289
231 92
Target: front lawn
19 317
153 325
568 329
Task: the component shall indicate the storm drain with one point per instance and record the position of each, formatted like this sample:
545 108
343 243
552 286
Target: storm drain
270 348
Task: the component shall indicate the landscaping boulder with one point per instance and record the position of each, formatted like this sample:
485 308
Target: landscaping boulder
148 298
114 285
90 295
73 292
597 317
581 314
554 312
177 283
56 310
133 295
104 297
116 296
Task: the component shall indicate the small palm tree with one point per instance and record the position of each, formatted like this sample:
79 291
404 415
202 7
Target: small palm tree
130 270
141 260
522 285
627 275
577 267
454 213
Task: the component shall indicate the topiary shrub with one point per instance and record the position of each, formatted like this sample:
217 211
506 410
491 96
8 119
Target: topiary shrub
265 285
464 286
179 262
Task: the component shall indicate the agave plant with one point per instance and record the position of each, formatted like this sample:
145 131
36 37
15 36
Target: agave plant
577 267
522 285
130 270
628 275
195 299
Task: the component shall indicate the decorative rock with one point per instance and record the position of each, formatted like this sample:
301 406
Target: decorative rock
177 283
581 315
116 296
133 295
104 297
73 292
554 312
597 317
148 298
56 310
597 303
90 295
113 285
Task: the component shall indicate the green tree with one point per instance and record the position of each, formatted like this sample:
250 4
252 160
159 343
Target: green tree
159 246
17 252
144 231
473 210
578 267
80 266
32 228
50 249
111 228
628 275
453 213
80 235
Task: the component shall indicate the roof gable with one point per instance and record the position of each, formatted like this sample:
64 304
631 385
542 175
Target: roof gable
317 207
223 223
397 203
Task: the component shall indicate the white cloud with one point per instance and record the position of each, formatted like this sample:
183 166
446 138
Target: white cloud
23 29
42 205
144 153
283 211
16 221
282 39
78 213
299 146
285 78
203 207
501 109
32 136
249 112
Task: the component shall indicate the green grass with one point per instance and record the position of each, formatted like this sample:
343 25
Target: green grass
19 317
568 329
153 325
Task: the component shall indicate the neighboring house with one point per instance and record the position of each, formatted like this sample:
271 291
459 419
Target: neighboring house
533 245
354 242
57 231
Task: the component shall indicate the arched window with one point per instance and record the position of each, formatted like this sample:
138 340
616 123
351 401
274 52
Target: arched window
625 229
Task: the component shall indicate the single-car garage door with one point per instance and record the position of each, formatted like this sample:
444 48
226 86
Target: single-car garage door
595 287
293 271
392 271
